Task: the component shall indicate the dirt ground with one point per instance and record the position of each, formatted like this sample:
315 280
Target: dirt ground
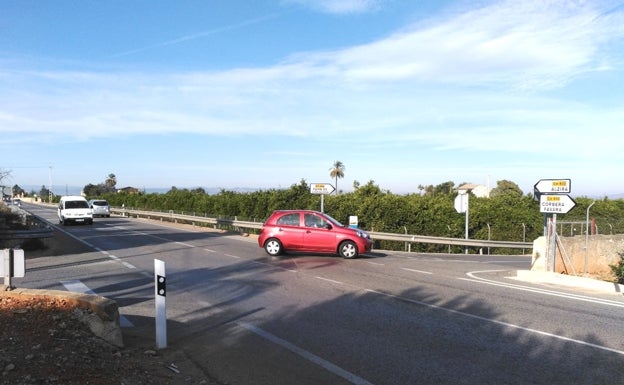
44 341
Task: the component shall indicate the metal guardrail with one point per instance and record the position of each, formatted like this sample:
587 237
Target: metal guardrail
407 238
451 241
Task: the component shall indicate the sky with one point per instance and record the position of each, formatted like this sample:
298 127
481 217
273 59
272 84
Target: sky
262 94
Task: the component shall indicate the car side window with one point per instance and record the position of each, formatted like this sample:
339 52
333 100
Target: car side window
288 220
312 220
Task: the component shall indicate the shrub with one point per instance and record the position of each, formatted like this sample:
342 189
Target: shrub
618 268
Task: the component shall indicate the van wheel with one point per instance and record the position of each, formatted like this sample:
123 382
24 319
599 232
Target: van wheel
348 250
273 247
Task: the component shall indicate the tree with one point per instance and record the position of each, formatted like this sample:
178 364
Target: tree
110 183
3 175
18 191
107 187
506 187
337 171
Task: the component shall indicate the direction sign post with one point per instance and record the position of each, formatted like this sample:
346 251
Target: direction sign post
556 203
552 186
461 206
553 197
322 189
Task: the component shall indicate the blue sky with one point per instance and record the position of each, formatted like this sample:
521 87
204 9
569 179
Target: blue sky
264 93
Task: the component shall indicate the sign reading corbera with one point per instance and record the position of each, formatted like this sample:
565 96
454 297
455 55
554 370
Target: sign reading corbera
556 204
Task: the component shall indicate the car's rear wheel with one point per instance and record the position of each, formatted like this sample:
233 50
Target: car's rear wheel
273 246
348 250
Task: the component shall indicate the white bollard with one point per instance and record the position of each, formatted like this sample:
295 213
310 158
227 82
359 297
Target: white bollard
160 291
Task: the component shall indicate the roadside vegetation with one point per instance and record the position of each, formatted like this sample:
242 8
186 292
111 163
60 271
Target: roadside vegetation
507 215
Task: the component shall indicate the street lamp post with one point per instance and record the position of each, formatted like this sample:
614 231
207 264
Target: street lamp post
50 188
587 233
523 236
489 236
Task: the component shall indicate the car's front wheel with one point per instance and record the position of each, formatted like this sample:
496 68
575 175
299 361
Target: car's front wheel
273 247
348 250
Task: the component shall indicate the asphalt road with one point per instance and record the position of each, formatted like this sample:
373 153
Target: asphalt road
386 318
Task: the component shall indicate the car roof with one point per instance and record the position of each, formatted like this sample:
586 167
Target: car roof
73 198
297 211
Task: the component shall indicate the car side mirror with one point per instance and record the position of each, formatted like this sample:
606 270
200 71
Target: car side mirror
329 226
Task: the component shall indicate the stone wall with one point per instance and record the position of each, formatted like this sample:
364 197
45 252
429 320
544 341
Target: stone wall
602 251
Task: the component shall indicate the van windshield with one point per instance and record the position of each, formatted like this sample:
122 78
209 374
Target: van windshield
76 205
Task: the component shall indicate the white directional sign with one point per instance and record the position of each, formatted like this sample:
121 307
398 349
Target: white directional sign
461 203
321 188
556 203
553 186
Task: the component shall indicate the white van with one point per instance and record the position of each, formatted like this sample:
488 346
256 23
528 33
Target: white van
74 209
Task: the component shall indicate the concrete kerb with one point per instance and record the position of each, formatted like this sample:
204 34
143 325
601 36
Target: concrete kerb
99 313
569 280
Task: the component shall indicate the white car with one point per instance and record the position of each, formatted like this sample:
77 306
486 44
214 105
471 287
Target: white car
100 207
74 209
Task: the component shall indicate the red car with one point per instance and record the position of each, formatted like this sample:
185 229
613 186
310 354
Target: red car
311 231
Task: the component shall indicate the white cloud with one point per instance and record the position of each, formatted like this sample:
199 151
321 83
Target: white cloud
520 44
339 6
443 76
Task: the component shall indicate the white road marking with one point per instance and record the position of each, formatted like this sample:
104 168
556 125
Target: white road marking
416 271
329 280
497 322
128 265
77 286
554 293
297 350
352 378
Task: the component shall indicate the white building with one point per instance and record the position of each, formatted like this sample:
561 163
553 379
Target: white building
477 190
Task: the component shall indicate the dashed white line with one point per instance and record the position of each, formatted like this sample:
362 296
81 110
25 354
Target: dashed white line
329 280
352 378
416 271
128 265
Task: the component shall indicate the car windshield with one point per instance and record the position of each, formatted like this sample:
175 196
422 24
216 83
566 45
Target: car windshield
76 205
100 203
334 221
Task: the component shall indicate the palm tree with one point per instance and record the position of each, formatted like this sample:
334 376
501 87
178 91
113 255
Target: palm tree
110 183
337 171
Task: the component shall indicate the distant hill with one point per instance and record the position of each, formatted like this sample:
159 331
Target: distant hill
76 190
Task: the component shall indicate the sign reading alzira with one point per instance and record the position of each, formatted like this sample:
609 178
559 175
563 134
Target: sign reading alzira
553 186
